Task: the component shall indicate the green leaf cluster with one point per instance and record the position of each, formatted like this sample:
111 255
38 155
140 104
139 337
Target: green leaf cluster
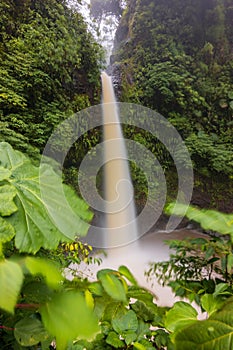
126 312
114 312
200 269
37 221
36 283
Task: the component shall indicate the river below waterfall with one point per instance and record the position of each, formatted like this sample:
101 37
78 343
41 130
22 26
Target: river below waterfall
137 255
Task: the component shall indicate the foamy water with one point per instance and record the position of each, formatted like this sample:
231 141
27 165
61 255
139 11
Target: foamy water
137 255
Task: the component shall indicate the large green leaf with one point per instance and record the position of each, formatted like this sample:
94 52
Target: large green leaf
30 331
181 314
126 272
69 212
140 293
33 226
11 159
7 205
11 279
7 231
112 285
145 311
46 268
139 346
114 340
207 335
211 303
4 173
42 220
67 317
113 309
208 219
215 333
127 322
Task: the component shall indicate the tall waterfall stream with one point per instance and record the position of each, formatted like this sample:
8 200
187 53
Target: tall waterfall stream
120 239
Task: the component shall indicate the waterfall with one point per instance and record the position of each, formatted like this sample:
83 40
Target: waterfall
120 224
124 243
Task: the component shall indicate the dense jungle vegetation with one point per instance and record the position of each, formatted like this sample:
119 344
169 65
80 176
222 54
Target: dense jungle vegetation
178 65
41 310
50 67
176 57
172 56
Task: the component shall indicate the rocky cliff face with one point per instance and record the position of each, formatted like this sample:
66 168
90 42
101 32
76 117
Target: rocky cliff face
123 37
152 31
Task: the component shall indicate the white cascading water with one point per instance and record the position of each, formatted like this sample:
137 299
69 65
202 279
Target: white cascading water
121 227
124 245
121 234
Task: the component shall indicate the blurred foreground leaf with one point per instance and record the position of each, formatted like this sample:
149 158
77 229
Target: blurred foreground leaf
11 279
68 317
208 219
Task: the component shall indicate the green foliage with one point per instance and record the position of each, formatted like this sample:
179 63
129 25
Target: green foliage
49 69
66 313
24 215
200 269
208 219
112 285
182 68
213 333
75 312
30 331
196 267
171 83
125 321
181 315
124 271
11 279
114 312
37 303
7 194
203 147
34 226
213 302
45 268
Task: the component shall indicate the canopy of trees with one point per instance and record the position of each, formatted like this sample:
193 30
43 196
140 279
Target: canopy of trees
49 67
176 57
